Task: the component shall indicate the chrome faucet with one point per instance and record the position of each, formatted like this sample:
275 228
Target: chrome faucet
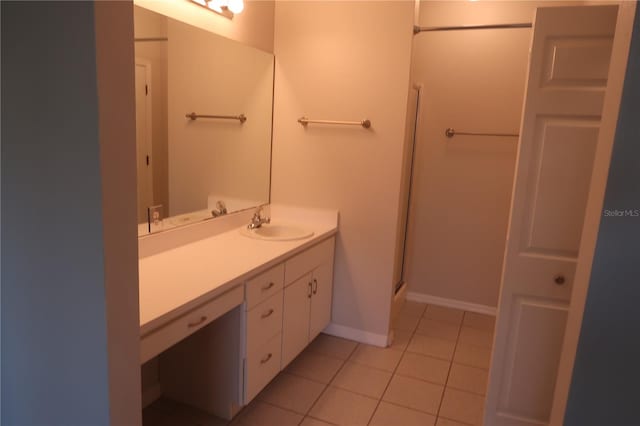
221 209
258 220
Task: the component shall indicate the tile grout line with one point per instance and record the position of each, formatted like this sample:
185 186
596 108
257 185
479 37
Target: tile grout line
455 346
326 386
404 350
451 367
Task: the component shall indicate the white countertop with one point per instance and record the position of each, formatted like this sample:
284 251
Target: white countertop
179 279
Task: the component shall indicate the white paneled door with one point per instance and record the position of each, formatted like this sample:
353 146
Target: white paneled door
568 69
143 139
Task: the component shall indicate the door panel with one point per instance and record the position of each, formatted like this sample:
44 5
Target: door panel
533 353
295 318
568 67
564 150
577 61
321 300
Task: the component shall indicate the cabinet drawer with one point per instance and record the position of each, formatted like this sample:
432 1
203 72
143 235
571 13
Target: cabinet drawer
262 365
308 260
264 321
162 338
264 285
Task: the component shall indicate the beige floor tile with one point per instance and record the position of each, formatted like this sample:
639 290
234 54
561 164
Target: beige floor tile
394 415
424 368
431 346
292 393
439 329
481 321
332 346
373 356
401 339
202 418
476 337
310 421
474 356
462 406
362 379
412 308
406 322
447 422
166 411
152 416
414 393
467 378
440 313
340 407
261 414
310 365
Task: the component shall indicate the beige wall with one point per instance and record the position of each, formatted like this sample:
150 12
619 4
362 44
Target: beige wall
116 103
152 25
70 328
345 61
212 75
254 26
473 81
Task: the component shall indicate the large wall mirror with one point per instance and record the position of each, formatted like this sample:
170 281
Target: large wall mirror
196 168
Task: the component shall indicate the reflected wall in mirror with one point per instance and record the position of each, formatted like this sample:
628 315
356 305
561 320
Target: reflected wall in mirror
198 169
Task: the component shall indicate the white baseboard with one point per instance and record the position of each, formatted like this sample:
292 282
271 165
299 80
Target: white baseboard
151 394
451 303
358 335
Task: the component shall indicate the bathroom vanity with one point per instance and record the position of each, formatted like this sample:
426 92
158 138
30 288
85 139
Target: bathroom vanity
222 316
223 308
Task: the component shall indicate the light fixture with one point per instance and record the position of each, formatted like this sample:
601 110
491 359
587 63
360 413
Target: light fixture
235 6
216 5
226 8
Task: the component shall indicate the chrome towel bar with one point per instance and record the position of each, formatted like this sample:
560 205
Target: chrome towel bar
452 132
364 123
241 118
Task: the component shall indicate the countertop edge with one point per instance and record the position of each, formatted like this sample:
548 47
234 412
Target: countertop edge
217 290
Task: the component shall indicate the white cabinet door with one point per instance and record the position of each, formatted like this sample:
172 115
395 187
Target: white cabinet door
295 322
567 80
322 287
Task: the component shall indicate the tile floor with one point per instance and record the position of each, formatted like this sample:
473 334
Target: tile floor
434 374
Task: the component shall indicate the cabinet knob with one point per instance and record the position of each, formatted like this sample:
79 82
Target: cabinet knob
268 286
559 279
315 286
266 358
310 290
198 322
267 314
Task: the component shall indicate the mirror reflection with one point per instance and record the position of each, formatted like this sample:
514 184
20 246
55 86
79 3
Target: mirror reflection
203 123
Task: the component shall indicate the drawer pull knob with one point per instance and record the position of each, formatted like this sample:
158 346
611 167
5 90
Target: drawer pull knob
559 279
266 358
197 323
267 314
315 286
268 286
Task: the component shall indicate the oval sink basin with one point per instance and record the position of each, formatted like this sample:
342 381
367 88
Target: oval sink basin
276 232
